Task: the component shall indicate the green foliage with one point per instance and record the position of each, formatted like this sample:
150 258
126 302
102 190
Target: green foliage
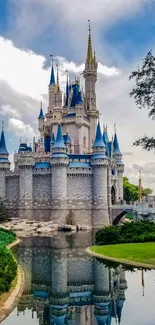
143 94
131 191
8 266
133 232
70 220
6 237
8 269
3 211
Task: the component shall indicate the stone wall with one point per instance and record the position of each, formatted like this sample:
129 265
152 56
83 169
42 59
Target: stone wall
42 190
79 187
12 190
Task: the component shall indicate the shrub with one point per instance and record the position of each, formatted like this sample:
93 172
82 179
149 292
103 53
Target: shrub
70 220
134 232
8 269
6 237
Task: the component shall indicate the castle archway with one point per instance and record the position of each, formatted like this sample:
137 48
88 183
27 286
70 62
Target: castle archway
113 195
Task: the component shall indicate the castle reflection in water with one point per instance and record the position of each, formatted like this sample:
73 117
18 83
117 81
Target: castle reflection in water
64 285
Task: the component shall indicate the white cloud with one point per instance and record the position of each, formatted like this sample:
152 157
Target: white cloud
24 71
20 129
7 110
73 15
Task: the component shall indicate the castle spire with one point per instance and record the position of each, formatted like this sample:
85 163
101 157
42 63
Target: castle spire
57 84
3 149
99 138
41 115
89 48
115 143
52 79
59 142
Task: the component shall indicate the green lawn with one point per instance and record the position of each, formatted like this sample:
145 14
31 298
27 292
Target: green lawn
137 252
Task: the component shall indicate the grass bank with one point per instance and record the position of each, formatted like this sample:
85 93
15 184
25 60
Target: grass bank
135 254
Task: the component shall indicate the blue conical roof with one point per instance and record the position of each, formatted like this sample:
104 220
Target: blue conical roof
106 140
99 138
3 149
52 139
116 146
67 138
59 142
41 115
52 79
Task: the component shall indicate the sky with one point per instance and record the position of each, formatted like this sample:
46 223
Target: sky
122 34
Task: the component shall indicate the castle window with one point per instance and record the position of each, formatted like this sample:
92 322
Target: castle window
84 141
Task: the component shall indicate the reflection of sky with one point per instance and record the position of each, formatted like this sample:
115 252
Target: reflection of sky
22 319
138 309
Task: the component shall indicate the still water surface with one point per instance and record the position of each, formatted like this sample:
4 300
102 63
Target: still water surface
64 285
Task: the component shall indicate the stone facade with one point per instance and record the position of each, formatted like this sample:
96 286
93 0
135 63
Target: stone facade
69 168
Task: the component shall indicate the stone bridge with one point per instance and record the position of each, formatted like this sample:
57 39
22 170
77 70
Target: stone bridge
118 211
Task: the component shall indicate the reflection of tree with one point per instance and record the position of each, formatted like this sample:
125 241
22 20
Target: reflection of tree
70 238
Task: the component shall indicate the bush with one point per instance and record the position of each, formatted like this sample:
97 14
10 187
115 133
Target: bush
8 269
70 220
134 232
6 237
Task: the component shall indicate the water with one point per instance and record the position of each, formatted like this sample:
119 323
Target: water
64 285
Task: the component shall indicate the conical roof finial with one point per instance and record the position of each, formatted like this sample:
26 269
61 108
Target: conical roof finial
3 125
89 49
115 128
52 79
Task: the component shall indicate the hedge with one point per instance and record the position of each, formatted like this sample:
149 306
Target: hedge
133 232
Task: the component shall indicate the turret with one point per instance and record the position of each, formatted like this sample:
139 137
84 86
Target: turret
99 162
41 119
59 162
4 164
119 165
25 165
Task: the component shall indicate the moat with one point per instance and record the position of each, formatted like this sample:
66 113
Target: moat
64 285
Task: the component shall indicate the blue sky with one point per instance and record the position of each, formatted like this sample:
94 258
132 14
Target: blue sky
122 33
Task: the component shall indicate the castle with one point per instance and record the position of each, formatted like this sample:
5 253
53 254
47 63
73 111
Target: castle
72 166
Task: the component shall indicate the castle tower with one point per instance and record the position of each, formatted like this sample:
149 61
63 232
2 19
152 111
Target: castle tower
4 164
41 119
90 75
119 165
25 164
99 162
59 163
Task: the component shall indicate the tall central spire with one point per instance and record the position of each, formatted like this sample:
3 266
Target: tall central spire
57 84
89 49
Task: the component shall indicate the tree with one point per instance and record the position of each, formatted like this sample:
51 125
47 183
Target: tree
131 191
144 94
3 211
